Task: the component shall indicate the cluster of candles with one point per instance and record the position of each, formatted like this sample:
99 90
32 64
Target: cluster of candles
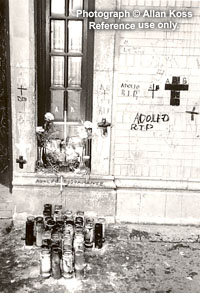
63 238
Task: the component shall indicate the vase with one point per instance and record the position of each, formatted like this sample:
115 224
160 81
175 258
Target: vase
82 162
39 159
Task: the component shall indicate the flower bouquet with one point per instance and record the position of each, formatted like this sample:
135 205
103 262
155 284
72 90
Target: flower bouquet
57 155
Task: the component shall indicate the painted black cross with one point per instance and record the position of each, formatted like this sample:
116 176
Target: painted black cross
21 162
175 89
192 113
21 88
153 89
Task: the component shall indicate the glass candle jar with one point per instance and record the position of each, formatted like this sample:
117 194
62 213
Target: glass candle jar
98 235
39 233
55 263
103 222
79 263
68 264
29 235
89 235
45 263
48 207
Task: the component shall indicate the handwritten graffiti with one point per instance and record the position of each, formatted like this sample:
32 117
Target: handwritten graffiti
129 90
104 100
146 122
21 98
131 50
70 182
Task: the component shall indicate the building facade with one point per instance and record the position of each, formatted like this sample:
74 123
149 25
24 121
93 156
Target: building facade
144 156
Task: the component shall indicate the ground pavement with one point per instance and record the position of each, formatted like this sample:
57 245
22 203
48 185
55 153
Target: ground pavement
134 258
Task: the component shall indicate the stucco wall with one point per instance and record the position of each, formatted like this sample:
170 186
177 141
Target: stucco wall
168 149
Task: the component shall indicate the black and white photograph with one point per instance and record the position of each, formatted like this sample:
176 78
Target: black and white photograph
99 146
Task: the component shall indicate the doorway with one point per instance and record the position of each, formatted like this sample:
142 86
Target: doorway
5 108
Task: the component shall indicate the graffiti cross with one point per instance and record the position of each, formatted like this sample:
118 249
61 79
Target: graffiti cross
21 162
21 88
175 87
153 89
192 113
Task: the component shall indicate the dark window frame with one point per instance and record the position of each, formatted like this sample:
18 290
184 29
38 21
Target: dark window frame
43 80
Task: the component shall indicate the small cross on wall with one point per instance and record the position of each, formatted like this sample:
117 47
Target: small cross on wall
153 89
192 113
21 88
21 162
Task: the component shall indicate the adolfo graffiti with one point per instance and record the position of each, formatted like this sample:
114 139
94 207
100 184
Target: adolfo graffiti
145 122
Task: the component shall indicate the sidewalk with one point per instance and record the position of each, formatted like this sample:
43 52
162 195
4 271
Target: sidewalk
166 259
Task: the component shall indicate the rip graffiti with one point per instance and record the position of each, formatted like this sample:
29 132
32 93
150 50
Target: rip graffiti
129 90
145 122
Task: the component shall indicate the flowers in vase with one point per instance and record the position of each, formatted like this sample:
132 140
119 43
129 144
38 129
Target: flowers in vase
57 154
44 133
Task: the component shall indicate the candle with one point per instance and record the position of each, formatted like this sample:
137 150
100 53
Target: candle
29 239
98 235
